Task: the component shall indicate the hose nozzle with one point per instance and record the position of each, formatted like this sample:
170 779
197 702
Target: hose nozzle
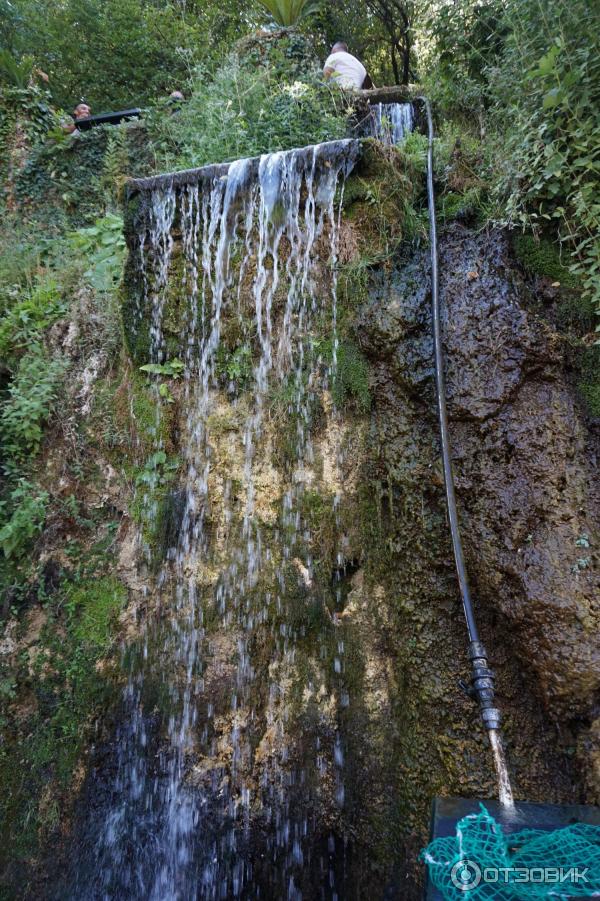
482 686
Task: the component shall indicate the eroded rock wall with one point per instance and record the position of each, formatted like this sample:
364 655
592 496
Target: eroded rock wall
525 471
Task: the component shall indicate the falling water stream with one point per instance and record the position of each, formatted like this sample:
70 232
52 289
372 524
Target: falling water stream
181 798
391 122
505 794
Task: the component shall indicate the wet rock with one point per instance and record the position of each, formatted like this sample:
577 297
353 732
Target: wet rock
395 326
524 465
525 477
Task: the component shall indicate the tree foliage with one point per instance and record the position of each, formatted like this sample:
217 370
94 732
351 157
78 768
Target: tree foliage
397 18
120 53
526 75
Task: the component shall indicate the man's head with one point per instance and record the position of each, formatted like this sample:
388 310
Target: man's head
339 47
82 111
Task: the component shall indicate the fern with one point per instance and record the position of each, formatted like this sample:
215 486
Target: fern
116 163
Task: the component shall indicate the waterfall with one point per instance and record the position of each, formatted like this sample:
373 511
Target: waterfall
249 243
390 122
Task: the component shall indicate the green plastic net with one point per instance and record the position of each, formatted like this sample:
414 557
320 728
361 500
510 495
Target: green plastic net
481 862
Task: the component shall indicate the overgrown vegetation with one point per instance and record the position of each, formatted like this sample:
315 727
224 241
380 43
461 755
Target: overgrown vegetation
522 79
248 108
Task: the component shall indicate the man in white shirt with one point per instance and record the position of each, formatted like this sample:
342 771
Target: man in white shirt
346 70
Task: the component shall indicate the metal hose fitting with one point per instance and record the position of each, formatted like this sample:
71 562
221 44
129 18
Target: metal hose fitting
482 685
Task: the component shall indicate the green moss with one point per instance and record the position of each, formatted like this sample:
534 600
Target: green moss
351 380
284 417
589 381
352 291
151 426
572 314
575 314
591 396
542 257
65 691
463 206
94 608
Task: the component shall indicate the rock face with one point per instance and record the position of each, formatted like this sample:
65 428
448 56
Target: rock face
525 472
530 490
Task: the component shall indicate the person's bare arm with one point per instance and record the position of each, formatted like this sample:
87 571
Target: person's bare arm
328 72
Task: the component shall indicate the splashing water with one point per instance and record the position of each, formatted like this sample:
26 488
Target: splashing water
249 245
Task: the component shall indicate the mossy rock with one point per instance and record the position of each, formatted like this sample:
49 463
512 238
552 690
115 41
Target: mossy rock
589 381
542 257
382 198
59 701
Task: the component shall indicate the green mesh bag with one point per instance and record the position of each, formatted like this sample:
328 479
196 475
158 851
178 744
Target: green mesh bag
481 862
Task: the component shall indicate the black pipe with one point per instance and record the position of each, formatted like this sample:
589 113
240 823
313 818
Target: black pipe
482 681
108 118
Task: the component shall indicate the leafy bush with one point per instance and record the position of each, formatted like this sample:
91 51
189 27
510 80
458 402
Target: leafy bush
24 322
30 398
102 245
243 112
552 172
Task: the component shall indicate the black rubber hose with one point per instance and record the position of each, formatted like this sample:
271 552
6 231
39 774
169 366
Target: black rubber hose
483 677
441 393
